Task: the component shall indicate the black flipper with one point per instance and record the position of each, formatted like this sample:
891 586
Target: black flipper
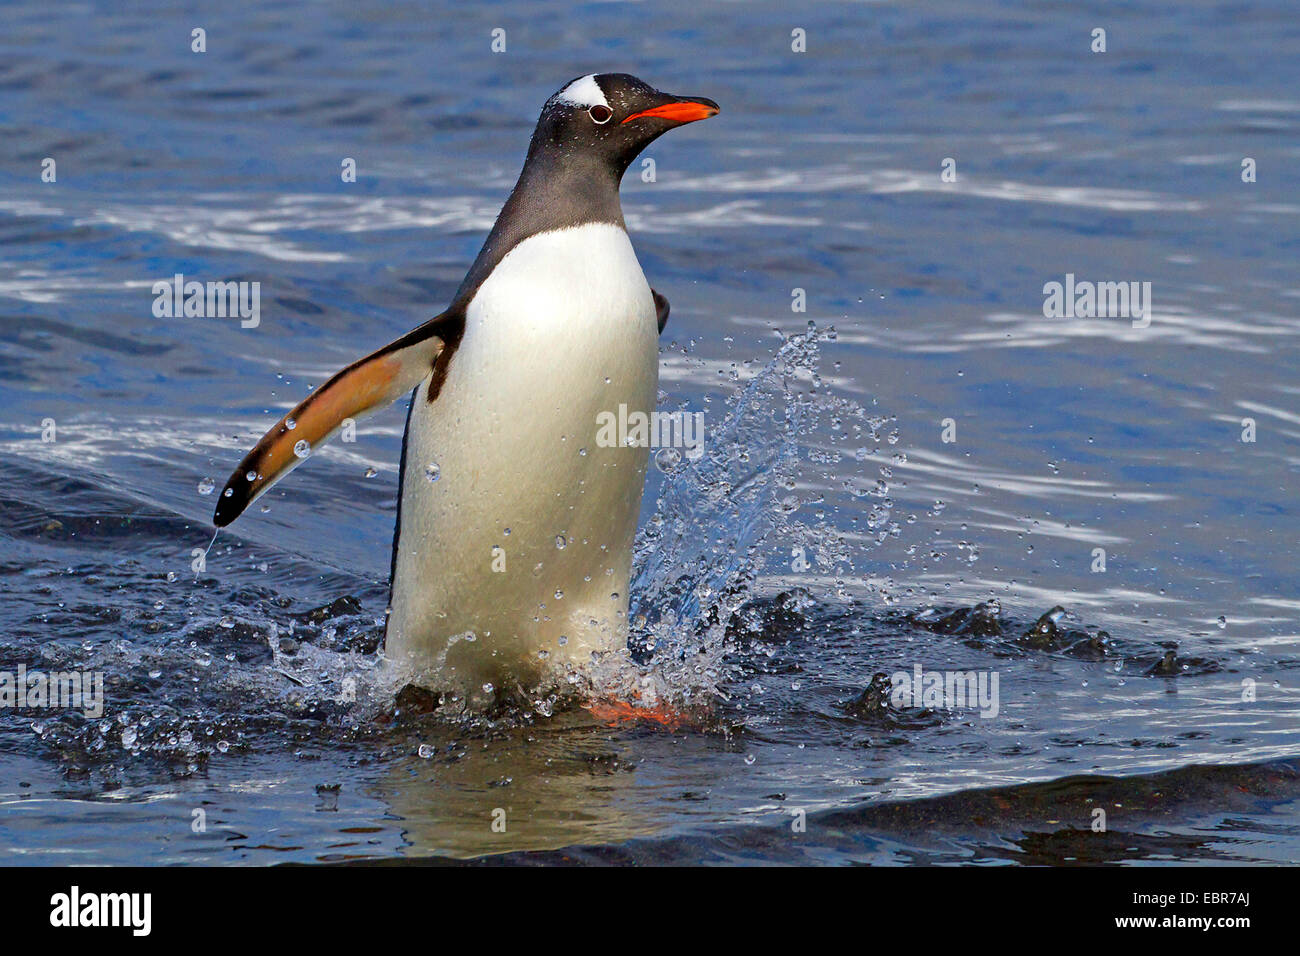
661 309
364 386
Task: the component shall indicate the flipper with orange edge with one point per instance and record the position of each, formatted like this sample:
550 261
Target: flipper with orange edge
363 387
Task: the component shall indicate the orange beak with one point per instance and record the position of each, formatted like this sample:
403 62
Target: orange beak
685 111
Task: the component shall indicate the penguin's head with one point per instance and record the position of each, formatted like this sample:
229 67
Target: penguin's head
611 117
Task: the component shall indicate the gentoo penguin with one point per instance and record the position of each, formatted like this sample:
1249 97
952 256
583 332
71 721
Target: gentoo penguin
513 545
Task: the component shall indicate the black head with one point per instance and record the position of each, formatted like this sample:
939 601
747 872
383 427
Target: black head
611 117
586 138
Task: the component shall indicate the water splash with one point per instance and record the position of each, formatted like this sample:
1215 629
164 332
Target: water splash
744 514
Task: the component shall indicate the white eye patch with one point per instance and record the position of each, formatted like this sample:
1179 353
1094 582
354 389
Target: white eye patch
584 93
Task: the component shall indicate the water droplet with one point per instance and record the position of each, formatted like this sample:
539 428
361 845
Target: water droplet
251 476
749 759
371 472
128 737
432 471
666 459
206 486
426 751
1223 622
559 595
561 542
302 448
223 745
290 424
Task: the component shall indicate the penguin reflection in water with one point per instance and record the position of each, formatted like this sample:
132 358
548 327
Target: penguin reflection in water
513 547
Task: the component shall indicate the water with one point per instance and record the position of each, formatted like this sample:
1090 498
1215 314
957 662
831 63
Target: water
248 718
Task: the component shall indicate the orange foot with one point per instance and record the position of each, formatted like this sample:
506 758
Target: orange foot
614 712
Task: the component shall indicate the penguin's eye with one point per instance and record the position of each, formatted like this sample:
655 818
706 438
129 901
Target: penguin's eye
601 114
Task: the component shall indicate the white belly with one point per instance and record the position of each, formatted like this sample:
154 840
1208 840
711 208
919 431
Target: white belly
512 567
